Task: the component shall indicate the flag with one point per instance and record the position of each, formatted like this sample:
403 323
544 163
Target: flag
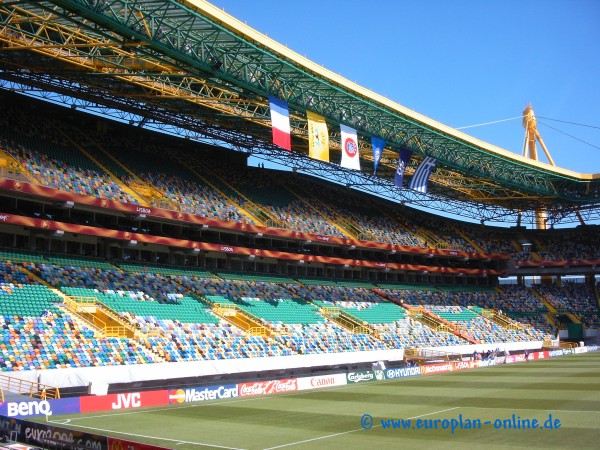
378 145
421 176
403 158
280 121
318 137
350 154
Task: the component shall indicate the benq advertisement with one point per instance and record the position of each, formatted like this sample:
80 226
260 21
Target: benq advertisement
31 408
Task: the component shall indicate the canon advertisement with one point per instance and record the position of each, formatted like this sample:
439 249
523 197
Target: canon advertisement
338 379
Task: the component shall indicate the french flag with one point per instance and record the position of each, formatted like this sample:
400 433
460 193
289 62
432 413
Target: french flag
280 120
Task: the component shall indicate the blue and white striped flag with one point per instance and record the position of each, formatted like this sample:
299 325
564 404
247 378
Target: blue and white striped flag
420 178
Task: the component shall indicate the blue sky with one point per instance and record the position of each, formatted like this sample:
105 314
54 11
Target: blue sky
459 62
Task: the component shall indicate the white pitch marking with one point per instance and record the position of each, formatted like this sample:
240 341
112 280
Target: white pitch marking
179 441
354 431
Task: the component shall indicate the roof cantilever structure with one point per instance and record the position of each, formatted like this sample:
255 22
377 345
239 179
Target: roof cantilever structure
189 66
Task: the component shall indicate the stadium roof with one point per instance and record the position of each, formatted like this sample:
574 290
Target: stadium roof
188 67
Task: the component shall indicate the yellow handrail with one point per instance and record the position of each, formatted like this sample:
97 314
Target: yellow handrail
26 387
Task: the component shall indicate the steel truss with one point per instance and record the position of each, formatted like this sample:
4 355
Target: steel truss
168 67
179 124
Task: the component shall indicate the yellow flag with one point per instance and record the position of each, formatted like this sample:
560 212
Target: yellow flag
318 137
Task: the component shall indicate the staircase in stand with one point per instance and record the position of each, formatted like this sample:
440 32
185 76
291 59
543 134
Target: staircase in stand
139 198
429 319
103 318
343 225
11 168
345 319
498 318
241 319
248 208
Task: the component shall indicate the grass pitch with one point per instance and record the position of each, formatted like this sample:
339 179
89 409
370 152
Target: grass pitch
500 398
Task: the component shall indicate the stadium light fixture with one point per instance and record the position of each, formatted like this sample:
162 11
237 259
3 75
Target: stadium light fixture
205 227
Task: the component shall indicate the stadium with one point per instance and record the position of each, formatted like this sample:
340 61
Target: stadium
210 241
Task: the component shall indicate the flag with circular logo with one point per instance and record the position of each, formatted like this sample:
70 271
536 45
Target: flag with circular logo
350 154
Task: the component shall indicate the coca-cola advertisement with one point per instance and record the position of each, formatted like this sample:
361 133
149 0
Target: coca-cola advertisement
268 387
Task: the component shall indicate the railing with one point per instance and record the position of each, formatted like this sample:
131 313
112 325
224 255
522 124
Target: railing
258 331
421 353
243 319
86 307
367 236
26 387
348 226
415 313
346 320
13 169
429 321
81 301
500 319
568 344
257 211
